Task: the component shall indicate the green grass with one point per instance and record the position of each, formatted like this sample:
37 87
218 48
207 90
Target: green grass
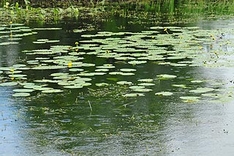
26 11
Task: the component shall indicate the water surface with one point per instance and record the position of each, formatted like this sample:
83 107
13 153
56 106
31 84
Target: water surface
100 121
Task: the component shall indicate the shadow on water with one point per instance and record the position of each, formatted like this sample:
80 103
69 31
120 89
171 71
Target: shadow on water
100 121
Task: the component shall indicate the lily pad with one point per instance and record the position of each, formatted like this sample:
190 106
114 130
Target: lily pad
88 65
101 84
21 94
23 90
142 90
179 85
86 74
8 84
202 90
127 74
115 73
136 87
101 70
49 67
164 93
145 80
124 83
106 66
40 88
133 95
127 70
76 86
33 62
8 43
52 91
78 30
190 99
59 74
99 73
43 29
212 95
146 84
17 75
166 76
76 70
196 81
137 62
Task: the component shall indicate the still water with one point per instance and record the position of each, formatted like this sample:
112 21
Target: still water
100 121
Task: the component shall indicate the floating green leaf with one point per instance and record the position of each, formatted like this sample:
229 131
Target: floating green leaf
21 94
137 62
196 81
101 84
133 95
202 90
142 90
126 74
124 83
136 87
146 84
145 80
166 76
42 29
127 70
190 99
52 91
48 67
23 90
179 85
8 84
164 93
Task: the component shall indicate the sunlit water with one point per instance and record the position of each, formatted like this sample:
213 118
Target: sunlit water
97 122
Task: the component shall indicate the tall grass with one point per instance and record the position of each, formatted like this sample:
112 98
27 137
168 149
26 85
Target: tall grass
194 7
31 9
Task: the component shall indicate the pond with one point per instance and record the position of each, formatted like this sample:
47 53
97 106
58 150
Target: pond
117 88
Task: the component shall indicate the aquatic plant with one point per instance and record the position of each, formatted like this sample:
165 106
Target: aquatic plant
17 13
72 67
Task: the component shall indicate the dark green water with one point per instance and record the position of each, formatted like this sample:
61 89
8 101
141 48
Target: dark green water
100 121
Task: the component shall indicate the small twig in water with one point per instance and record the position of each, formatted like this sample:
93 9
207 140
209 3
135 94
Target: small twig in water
126 104
90 106
76 101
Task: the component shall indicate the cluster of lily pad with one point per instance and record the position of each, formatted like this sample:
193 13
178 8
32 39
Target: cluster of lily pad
173 46
68 67
13 33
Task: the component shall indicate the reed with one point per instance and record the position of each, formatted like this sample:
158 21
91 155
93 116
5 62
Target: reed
27 10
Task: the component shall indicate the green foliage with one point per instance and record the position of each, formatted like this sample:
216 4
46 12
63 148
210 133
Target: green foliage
30 10
15 12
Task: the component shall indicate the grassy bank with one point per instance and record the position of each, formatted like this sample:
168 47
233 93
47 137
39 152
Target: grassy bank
47 11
